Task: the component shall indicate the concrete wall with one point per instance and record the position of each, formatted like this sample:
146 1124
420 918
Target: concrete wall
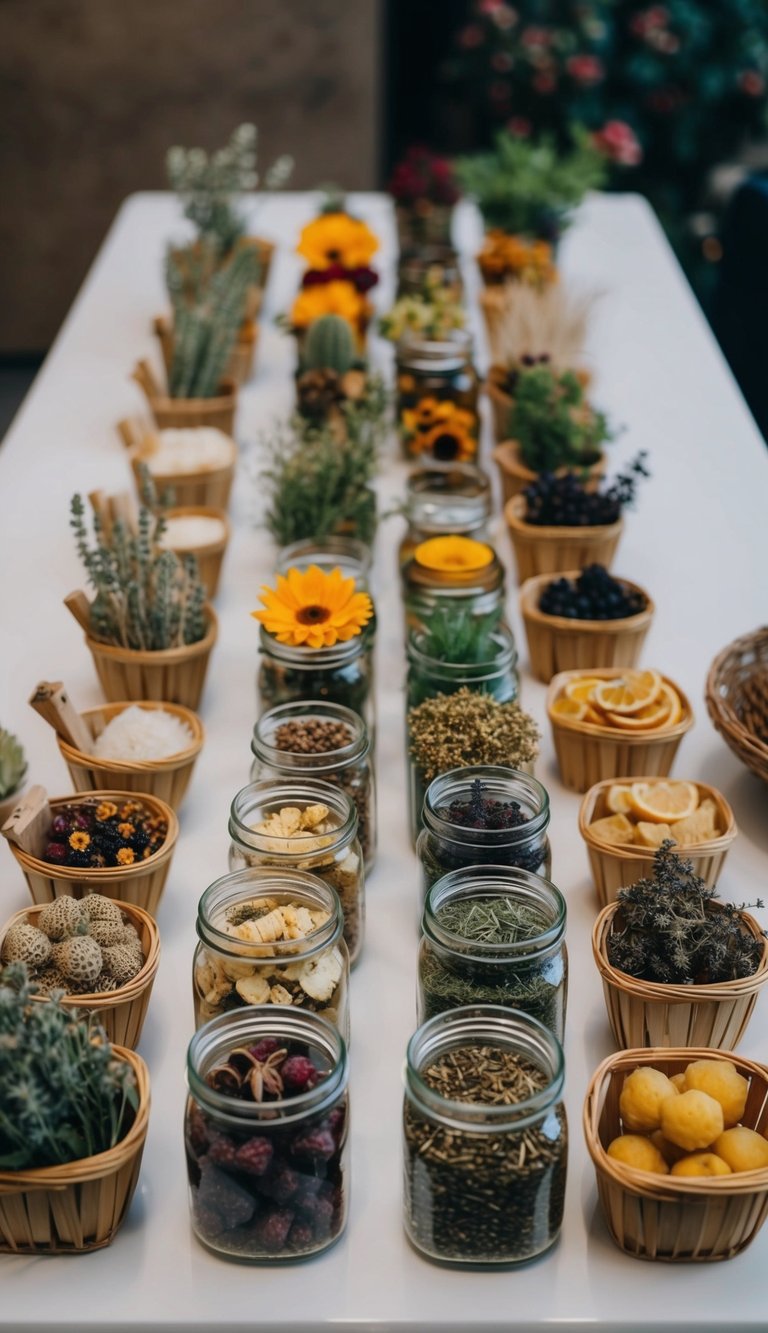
92 92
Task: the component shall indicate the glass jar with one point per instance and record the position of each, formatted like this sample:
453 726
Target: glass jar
449 499
352 557
478 589
461 958
444 845
342 675
427 266
423 223
243 957
304 839
437 393
428 676
347 765
268 1180
484 1182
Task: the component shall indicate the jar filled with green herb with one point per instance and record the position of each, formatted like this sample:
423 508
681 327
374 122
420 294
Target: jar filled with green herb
445 500
457 572
485 1137
494 935
340 674
484 816
456 648
325 741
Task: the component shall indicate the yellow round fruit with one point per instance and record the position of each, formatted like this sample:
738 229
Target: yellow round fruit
701 1164
679 1081
692 1120
580 688
664 802
722 1080
629 693
636 1151
570 708
642 1095
743 1149
669 1151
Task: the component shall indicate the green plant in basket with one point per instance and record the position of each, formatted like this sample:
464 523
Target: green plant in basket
552 422
209 304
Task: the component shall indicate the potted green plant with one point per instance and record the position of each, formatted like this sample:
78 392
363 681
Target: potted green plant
332 373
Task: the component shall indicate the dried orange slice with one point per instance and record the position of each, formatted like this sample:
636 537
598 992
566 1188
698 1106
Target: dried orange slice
581 688
614 829
629 693
619 798
663 802
570 708
664 712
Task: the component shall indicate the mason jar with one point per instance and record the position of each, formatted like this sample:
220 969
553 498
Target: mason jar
494 935
429 675
244 956
427 266
446 844
475 585
437 394
484 1177
341 674
342 756
445 499
353 557
303 839
268 1180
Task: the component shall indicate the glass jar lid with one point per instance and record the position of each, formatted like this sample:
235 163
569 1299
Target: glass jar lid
448 499
451 352
297 887
348 554
314 659
264 741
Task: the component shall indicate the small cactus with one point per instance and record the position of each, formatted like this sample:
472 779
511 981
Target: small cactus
329 345
13 764
208 309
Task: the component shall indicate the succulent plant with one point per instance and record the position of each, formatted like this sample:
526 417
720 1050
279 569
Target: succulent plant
209 301
552 421
329 345
13 764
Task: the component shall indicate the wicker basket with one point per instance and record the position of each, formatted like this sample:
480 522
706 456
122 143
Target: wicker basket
167 779
241 362
737 690
80 1206
121 1012
648 1013
211 557
515 476
139 885
587 753
218 412
556 643
265 251
172 675
675 1219
615 868
501 402
209 488
545 550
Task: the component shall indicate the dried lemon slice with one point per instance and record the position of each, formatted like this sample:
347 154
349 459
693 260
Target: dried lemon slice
629 693
569 708
619 799
581 688
664 802
665 711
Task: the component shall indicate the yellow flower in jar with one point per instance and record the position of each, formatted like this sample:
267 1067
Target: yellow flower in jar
312 609
447 554
330 298
452 438
421 418
337 238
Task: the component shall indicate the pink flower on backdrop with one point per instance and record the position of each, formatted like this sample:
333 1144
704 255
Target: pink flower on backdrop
535 36
752 83
471 36
502 62
544 83
619 143
520 126
488 7
585 69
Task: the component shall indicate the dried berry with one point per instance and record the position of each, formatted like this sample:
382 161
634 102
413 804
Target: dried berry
483 812
222 1151
283 1184
300 1236
317 1142
264 1048
254 1156
299 1074
220 1194
272 1229
197 1131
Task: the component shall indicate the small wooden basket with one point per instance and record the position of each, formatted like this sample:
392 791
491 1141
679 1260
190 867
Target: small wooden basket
501 402
556 643
587 753
167 779
676 1219
211 557
618 867
166 411
548 550
515 476
648 1013
80 1206
121 1012
167 675
209 488
737 689
241 362
139 885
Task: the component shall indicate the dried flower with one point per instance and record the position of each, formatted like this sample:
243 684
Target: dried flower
443 430
330 298
465 729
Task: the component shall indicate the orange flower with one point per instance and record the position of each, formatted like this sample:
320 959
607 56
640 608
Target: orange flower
330 298
126 830
314 610
443 430
514 258
106 810
453 554
79 841
126 856
336 238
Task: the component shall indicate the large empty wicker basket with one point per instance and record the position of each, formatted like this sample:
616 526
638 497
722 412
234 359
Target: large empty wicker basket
737 699
673 1218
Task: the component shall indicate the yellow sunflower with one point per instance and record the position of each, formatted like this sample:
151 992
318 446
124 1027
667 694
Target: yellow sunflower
421 418
79 841
336 238
515 258
314 610
442 430
448 554
330 298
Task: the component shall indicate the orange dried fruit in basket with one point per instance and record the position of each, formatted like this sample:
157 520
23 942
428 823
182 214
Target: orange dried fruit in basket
722 1080
652 835
627 694
701 1164
636 1151
701 826
615 829
663 802
580 688
570 708
692 1119
665 711
618 799
742 1148
645 1091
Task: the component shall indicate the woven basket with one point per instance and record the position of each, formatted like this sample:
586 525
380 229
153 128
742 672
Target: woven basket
211 557
121 1012
545 550
172 675
242 360
265 251
501 402
675 1219
556 643
648 1013
209 488
218 412
515 476
587 753
167 779
737 691
139 885
80 1206
615 868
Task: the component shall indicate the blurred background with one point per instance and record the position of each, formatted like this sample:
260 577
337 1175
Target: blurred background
93 94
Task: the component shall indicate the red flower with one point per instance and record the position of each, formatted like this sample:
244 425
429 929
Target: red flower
585 69
618 141
505 17
752 83
535 36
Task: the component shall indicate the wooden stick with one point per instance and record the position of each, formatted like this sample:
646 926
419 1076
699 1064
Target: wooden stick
29 820
77 603
130 432
52 702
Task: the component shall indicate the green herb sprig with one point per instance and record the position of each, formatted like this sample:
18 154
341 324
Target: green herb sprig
552 421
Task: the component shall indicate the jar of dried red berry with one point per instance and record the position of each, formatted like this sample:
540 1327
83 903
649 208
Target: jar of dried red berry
266 1133
484 816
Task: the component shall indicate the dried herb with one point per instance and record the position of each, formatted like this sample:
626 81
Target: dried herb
552 421
483 812
670 929
466 729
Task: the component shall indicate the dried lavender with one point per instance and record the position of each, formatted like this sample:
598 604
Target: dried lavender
465 730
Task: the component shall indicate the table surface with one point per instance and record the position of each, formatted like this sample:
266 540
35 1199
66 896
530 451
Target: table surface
696 542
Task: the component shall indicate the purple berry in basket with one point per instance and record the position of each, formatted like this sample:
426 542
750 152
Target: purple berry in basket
299 1074
80 822
222 1151
55 852
317 1142
264 1048
254 1156
59 824
220 1194
272 1229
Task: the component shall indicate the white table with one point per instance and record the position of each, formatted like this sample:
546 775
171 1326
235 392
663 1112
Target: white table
697 542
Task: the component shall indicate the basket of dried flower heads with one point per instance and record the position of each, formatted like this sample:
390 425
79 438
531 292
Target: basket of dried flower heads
623 823
103 953
679 1206
737 699
679 968
613 722
110 842
583 618
70 1162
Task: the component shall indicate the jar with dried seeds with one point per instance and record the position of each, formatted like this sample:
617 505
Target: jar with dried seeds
270 938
